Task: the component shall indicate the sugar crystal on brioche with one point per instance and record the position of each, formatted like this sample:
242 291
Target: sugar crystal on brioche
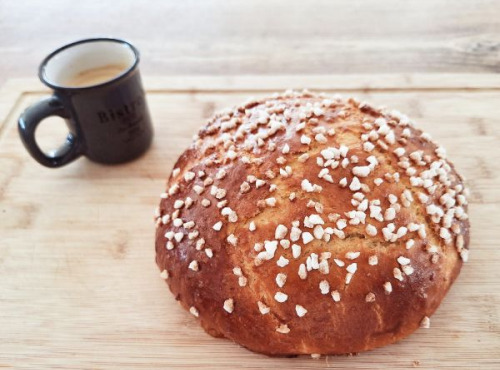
309 224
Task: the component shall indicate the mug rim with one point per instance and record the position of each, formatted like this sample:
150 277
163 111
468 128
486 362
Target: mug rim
45 61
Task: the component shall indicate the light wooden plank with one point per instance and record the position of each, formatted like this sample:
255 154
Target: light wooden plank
264 37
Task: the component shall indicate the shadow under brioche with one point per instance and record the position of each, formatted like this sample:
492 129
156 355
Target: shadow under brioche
308 224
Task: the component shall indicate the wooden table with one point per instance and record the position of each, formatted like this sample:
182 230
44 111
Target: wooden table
79 287
263 36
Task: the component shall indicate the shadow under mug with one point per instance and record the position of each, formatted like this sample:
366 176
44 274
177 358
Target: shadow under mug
107 117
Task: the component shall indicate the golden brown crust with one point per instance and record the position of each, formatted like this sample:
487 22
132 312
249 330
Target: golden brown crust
362 183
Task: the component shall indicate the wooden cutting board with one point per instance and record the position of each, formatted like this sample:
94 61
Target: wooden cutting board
78 284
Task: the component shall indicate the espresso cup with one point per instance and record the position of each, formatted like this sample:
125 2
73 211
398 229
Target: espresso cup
98 91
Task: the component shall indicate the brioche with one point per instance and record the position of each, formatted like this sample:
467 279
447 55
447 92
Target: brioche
310 224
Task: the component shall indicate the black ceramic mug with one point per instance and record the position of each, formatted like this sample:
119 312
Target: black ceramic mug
98 91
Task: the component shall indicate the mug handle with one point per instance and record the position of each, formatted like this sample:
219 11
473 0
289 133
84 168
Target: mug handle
29 121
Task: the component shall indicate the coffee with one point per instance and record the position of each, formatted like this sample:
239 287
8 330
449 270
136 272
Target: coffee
94 76
98 91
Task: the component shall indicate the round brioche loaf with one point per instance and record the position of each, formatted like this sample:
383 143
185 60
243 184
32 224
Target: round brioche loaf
308 224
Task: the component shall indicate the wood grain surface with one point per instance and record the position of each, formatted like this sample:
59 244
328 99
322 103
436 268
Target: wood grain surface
79 287
263 36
